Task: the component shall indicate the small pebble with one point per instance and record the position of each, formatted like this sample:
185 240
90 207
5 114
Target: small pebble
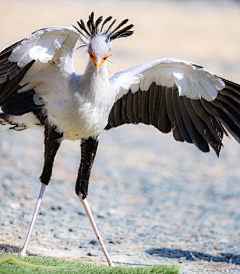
82 245
12 221
81 212
57 235
218 248
56 208
92 253
93 242
114 242
182 259
21 236
101 216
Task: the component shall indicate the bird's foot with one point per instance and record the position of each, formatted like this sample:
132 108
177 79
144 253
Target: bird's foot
23 253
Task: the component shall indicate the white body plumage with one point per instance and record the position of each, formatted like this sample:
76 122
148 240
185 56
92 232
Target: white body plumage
84 108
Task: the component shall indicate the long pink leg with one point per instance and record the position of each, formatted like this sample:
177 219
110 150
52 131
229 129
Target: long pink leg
24 249
91 219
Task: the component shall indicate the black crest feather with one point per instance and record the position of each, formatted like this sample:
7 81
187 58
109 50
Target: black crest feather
109 28
115 35
105 21
99 20
92 28
82 26
120 25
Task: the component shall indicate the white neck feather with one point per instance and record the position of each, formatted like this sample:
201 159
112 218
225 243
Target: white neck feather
94 82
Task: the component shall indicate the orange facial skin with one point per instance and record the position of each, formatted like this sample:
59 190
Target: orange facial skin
93 58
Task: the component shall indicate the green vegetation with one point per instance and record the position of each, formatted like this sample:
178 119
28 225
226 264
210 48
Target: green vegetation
12 265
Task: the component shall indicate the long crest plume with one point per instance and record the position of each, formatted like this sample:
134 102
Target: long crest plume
93 29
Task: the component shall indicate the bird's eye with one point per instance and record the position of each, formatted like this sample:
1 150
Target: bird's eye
90 54
105 58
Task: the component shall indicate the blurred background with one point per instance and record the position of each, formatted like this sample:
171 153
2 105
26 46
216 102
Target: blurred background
142 181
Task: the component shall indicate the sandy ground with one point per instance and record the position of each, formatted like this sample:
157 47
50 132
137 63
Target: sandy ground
205 34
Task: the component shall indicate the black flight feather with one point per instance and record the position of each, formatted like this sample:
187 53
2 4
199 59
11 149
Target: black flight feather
10 86
19 103
130 113
164 124
191 129
202 127
176 134
117 112
209 119
178 115
230 102
124 109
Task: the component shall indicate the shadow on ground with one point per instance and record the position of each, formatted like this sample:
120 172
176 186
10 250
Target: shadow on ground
194 256
12 249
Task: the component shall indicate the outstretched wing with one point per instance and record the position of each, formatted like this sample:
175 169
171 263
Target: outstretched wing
178 96
32 67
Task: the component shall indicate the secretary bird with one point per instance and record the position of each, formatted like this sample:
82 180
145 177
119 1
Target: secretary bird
39 88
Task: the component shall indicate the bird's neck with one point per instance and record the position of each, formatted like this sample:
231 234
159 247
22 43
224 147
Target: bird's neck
92 74
95 83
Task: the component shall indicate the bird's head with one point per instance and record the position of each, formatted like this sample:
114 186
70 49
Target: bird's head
98 40
99 49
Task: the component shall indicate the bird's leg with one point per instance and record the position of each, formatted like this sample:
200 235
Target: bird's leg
94 226
23 252
88 152
52 143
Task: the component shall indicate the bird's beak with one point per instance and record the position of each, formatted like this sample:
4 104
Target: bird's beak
97 68
97 64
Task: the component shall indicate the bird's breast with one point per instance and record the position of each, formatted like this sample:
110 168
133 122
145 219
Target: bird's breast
80 117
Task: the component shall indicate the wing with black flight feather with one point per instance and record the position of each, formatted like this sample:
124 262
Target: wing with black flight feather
197 121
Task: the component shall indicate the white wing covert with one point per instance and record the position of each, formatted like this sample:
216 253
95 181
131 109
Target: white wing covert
28 64
177 95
